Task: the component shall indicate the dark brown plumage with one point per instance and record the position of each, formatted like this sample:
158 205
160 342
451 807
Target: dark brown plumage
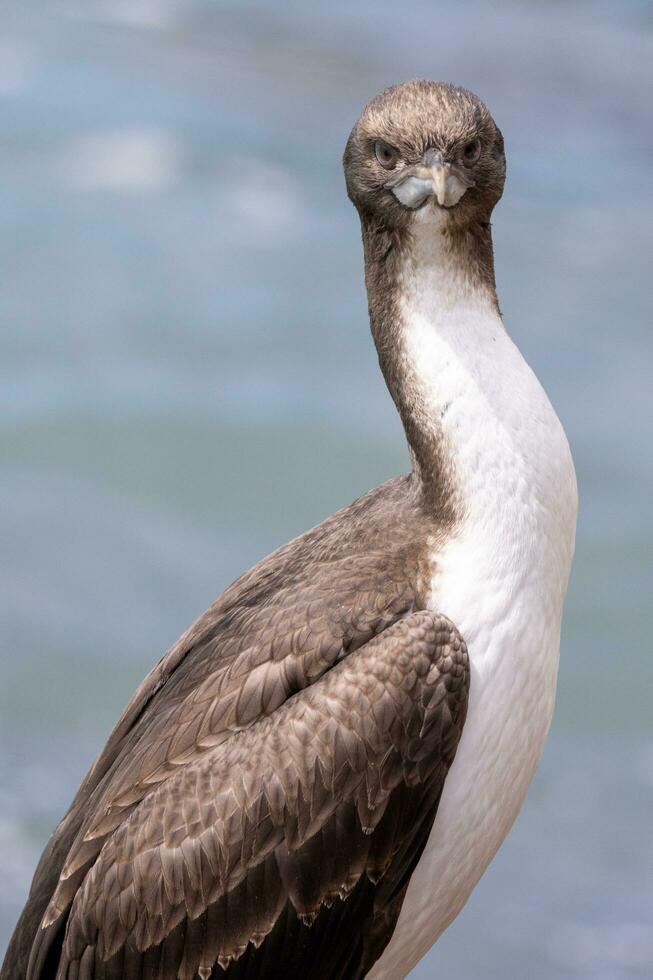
287 789
284 819
262 802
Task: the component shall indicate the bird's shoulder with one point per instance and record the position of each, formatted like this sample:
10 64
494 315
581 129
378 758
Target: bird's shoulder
295 612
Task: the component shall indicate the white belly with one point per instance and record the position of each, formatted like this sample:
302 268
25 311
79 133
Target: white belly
514 662
501 578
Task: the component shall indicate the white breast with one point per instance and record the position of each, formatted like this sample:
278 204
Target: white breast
501 578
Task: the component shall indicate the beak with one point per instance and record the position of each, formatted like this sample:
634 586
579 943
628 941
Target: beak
432 178
442 181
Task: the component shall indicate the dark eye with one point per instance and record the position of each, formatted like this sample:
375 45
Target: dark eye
385 154
472 151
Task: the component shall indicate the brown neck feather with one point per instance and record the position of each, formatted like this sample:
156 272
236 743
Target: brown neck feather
385 253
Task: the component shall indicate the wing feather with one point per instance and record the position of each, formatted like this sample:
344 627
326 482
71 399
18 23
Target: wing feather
299 824
279 629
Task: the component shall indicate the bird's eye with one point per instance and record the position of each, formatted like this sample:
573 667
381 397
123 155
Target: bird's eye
385 154
472 151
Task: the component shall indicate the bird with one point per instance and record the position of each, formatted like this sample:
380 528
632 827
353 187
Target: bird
312 780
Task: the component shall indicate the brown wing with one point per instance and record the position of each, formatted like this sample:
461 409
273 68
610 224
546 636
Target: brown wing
283 624
245 667
285 849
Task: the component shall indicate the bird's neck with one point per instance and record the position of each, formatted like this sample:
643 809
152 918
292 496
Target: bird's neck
433 313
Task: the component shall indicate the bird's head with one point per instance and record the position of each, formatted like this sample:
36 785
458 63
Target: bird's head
425 145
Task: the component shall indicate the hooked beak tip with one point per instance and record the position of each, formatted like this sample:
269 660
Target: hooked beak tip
439 181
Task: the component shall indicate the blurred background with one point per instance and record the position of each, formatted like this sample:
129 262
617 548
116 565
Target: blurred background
187 381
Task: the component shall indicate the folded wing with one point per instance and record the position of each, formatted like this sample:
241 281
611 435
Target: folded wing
284 849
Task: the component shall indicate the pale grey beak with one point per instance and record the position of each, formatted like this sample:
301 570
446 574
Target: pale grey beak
437 180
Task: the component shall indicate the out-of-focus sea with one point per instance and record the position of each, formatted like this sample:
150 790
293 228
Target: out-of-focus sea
187 381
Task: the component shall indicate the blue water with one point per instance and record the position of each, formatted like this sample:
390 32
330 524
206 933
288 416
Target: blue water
187 380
